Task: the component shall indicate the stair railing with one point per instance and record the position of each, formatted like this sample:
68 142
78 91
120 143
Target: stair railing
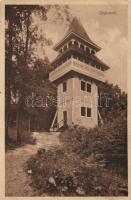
60 124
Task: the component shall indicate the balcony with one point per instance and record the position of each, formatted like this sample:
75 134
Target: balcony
77 66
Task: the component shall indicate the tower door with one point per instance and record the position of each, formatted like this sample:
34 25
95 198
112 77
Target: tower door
65 118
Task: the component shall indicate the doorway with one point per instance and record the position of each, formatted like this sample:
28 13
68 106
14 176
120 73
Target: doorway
65 118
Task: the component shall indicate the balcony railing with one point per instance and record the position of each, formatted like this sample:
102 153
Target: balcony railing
77 66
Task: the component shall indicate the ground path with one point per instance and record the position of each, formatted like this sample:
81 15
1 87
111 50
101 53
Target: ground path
17 181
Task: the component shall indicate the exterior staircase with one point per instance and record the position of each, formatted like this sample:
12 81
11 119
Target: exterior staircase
60 126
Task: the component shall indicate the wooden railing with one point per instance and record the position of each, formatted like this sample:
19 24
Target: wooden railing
78 66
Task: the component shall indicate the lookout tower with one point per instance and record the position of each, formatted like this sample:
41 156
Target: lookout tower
76 72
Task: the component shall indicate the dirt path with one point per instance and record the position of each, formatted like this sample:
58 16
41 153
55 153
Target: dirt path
17 181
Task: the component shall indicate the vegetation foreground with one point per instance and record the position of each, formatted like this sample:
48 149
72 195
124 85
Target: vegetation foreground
89 163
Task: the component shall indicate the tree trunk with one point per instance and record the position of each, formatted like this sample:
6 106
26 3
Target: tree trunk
27 36
18 128
29 124
7 78
6 127
19 117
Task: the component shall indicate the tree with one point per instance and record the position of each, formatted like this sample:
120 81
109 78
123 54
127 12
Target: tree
18 20
111 101
21 61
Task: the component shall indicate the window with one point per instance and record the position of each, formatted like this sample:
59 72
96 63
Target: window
65 47
87 50
92 52
64 86
88 112
70 43
83 111
65 118
82 47
61 50
76 43
88 87
83 85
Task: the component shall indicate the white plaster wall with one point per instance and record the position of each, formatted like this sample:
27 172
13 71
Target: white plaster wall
65 101
87 100
72 100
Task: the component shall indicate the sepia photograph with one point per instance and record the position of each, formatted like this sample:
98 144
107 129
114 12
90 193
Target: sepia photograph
66 100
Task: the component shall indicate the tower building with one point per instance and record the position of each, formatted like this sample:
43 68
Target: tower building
76 73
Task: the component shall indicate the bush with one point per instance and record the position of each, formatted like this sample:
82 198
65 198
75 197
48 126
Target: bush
91 162
57 173
110 139
56 166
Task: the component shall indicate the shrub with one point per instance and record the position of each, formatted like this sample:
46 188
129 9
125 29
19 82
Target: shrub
109 139
56 166
79 168
58 173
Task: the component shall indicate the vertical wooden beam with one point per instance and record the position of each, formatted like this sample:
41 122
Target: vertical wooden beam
54 119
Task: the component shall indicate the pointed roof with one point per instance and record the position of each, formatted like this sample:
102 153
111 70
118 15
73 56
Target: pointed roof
77 28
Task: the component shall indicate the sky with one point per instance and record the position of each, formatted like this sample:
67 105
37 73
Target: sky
107 26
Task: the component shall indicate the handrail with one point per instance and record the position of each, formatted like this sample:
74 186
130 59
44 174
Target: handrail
79 66
59 123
